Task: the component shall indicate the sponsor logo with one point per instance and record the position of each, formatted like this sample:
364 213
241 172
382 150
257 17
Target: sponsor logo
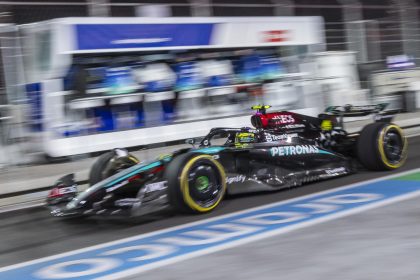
335 171
66 190
275 36
235 179
158 186
294 150
141 41
273 137
298 125
283 119
126 202
59 191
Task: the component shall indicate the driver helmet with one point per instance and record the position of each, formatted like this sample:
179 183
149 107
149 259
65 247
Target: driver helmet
242 139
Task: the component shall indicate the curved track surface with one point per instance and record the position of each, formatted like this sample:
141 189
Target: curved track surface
32 233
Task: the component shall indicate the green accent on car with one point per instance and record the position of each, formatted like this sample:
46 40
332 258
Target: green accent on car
409 177
134 172
202 183
209 150
324 152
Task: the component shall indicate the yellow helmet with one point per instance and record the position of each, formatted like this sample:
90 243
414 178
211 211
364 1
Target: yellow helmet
243 139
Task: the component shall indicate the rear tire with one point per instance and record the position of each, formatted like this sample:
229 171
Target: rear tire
382 146
196 183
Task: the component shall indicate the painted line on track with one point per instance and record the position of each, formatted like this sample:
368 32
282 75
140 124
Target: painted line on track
117 259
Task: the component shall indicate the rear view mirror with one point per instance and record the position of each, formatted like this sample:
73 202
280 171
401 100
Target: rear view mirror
190 141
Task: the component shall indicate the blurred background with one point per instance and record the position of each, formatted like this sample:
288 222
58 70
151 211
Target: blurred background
80 77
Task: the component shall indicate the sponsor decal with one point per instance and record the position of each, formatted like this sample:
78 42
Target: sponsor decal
291 126
283 119
141 41
60 191
66 190
273 137
126 202
235 179
274 36
335 170
294 150
130 256
158 186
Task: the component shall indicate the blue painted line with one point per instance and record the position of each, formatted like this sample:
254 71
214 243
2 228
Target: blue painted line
133 255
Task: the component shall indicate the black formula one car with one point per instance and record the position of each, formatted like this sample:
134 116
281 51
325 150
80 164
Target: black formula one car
283 150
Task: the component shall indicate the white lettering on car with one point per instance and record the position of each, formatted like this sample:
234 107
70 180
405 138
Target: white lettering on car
294 150
158 186
283 119
235 179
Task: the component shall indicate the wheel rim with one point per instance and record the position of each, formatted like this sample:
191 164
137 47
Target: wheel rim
202 183
205 184
393 145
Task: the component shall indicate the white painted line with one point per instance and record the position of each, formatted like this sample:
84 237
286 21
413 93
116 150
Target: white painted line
128 239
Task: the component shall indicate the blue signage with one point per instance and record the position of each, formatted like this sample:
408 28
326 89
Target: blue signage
122 36
33 92
129 256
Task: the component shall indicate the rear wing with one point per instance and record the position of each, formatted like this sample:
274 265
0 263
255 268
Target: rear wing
378 111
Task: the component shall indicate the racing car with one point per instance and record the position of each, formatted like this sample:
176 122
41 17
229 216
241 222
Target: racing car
282 150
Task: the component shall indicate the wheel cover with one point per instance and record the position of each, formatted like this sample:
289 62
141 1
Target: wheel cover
392 146
202 183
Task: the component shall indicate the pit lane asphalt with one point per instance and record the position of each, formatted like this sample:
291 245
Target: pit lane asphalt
30 234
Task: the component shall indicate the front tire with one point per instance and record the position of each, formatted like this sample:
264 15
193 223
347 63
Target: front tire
196 183
382 146
108 164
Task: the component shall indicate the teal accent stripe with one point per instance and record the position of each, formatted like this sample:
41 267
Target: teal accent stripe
141 168
324 152
209 150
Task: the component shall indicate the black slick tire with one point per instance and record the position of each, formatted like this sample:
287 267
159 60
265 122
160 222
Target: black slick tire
183 194
372 147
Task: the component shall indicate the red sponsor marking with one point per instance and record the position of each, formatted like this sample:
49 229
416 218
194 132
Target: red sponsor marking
55 192
274 36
